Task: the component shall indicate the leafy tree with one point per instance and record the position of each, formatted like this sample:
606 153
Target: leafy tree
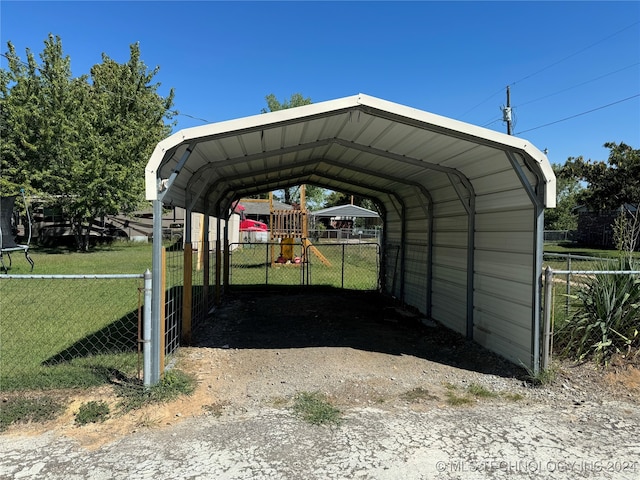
296 100
83 141
335 199
610 184
291 194
567 191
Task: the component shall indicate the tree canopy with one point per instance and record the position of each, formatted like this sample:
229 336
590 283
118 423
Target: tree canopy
290 195
611 184
563 216
81 141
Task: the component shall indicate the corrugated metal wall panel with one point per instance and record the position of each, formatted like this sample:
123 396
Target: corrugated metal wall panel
507 290
505 241
452 208
506 265
416 275
491 324
448 308
450 239
515 199
448 275
496 183
516 352
450 257
514 220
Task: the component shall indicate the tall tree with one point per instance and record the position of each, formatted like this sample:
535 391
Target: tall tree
611 184
296 100
83 141
291 194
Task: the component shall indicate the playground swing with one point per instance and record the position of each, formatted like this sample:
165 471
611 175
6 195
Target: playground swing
286 226
8 231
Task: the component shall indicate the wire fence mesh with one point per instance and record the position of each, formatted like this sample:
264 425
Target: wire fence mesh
69 331
593 309
200 275
354 266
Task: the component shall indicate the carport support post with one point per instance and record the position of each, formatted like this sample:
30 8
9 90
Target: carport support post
156 297
227 254
548 302
218 257
187 275
146 329
206 262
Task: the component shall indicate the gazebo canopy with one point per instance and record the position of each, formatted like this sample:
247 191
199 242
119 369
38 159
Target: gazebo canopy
345 211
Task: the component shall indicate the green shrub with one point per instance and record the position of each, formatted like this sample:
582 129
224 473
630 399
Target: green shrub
20 410
173 384
608 318
314 408
92 412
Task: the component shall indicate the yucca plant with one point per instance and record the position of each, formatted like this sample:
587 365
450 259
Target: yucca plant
608 318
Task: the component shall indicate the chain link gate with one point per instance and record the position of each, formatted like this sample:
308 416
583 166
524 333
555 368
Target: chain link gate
66 331
342 265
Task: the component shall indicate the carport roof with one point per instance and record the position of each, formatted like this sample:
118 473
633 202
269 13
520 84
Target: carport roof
357 144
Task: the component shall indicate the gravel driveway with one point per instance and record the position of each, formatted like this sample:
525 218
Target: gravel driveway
366 358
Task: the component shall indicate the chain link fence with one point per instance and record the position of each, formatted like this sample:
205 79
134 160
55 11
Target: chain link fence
186 271
353 266
592 308
67 331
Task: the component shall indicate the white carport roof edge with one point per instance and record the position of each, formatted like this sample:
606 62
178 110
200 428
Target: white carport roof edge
154 186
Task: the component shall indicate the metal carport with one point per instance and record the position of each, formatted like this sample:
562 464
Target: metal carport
462 205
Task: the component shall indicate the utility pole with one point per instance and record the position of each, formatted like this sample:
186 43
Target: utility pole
506 112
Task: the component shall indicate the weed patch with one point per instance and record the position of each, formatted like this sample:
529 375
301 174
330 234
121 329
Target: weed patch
22 410
480 392
416 395
314 408
545 376
174 384
92 412
470 394
514 397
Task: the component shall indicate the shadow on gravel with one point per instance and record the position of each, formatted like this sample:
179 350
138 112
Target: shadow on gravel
292 318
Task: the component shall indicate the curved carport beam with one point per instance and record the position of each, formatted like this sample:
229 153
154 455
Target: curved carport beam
537 199
162 187
288 180
469 207
276 183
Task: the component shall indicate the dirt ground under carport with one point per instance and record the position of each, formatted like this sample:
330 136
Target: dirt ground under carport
373 360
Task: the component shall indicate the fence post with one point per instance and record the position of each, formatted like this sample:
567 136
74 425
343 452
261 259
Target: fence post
342 273
187 293
548 305
146 330
568 287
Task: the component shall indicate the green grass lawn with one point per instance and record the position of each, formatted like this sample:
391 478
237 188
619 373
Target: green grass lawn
577 263
70 333
352 266
67 333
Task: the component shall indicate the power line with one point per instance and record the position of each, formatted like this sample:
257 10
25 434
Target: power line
553 65
482 102
577 85
579 114
575 53
190 116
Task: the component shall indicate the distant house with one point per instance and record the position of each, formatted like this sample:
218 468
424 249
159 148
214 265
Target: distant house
595 229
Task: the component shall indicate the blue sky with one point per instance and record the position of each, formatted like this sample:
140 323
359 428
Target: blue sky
560 59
